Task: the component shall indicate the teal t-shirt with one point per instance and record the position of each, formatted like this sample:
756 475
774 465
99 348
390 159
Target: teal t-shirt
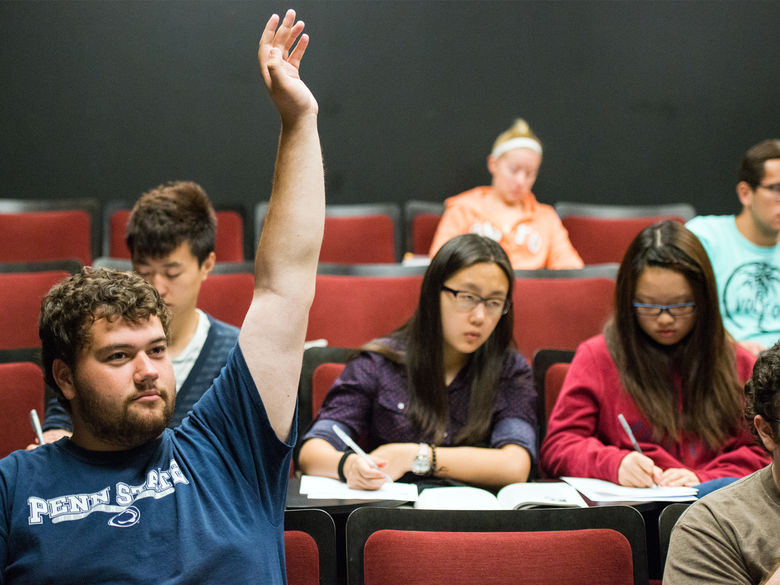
748 279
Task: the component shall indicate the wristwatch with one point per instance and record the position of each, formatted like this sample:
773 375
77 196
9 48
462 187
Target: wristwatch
422 462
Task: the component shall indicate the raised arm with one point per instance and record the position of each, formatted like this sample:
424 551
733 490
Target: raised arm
274 329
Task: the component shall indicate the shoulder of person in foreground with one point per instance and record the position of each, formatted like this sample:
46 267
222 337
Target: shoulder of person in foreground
719 539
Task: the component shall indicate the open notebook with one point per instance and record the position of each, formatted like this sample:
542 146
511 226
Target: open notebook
517 496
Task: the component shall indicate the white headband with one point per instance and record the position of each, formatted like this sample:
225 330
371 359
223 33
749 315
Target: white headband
521 142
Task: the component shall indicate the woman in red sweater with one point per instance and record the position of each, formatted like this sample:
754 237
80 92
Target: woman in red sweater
667 364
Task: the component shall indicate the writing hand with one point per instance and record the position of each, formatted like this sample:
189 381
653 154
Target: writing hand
360 475
637 470
677 477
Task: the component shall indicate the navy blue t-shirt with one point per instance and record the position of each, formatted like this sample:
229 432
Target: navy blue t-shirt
204 503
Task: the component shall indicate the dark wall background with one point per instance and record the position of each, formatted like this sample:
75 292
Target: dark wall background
635 102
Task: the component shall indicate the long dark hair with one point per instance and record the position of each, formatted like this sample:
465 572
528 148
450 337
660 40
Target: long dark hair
428 409
704 361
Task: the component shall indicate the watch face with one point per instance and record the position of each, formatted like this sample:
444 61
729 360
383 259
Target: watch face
421 465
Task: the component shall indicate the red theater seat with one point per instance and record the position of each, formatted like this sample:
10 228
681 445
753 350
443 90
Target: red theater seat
349 311
21 389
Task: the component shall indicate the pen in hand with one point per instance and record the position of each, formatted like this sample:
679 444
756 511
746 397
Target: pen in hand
36 425
631 437
358 451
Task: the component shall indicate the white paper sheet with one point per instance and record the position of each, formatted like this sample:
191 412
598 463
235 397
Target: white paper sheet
599 490
315 487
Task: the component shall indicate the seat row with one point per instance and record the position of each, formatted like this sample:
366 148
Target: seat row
352 305
386 546
360 233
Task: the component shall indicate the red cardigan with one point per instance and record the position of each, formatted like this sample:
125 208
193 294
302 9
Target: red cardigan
585 439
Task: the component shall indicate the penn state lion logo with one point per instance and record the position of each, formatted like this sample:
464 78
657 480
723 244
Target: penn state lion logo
753 290
129 517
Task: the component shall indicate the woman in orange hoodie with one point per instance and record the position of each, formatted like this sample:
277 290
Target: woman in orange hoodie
507 211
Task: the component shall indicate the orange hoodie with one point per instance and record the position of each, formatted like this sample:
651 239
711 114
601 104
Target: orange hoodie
536 240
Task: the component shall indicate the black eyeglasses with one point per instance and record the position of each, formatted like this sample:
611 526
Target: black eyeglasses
468 301
678 310
775 187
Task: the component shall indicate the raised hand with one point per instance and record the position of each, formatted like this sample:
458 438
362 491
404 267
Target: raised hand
280 63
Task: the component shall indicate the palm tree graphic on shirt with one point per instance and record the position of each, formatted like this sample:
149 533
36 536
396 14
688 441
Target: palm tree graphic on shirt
753 289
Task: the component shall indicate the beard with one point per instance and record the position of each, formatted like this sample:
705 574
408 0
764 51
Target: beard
127 424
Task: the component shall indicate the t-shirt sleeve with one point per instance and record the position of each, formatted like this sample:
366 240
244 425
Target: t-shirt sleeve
231 416
705 229
703 551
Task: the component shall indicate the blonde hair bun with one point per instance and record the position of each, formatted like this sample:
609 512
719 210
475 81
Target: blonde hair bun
518 135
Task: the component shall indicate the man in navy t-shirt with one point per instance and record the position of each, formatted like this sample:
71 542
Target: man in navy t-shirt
127 500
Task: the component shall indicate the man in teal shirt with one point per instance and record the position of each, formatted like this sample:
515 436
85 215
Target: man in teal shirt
745 253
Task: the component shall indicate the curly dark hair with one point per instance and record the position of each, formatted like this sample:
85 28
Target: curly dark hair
71 307
762 391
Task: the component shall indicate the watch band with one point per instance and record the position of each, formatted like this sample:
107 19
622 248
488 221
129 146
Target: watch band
340 469
432 470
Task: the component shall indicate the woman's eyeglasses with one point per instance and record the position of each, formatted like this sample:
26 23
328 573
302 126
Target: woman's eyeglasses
678 310
468 301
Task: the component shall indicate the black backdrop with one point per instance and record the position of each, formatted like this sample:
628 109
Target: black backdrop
635 102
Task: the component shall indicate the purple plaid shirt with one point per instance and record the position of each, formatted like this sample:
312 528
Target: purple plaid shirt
369 401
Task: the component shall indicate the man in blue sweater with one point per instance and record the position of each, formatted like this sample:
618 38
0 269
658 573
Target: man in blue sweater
127 500
171 235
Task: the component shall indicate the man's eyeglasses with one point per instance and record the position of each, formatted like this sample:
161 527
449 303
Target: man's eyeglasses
678 310
775 187
468 301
